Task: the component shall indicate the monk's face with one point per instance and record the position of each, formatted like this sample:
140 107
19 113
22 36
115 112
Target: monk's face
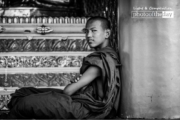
95 34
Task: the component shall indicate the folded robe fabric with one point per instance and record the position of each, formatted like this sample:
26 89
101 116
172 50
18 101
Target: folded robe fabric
51 103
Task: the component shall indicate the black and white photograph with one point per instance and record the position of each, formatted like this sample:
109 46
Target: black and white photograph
90 59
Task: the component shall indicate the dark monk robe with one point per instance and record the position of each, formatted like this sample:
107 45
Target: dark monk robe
99 99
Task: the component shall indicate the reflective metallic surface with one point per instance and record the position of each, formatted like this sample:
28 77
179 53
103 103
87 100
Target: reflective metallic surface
150 57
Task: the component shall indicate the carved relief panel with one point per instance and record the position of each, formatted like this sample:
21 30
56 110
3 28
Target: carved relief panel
40 52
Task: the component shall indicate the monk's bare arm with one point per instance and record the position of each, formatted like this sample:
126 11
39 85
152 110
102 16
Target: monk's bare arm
89 75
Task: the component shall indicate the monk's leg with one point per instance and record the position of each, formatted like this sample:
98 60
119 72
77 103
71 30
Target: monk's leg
26 91
42 106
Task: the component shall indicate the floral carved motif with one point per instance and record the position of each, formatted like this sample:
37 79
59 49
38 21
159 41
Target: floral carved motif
43 45
36 80
4 100
40 61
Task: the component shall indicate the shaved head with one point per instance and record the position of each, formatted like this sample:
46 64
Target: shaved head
105 23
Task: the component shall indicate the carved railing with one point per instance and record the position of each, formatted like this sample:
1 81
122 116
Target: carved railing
44 20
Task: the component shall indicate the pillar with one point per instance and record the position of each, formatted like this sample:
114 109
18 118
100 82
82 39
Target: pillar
150 57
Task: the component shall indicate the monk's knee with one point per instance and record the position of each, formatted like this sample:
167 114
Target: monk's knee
28 102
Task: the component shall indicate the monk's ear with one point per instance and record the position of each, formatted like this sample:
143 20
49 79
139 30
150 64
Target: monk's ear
108 33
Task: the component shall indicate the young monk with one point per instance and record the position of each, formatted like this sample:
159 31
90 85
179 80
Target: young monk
95 95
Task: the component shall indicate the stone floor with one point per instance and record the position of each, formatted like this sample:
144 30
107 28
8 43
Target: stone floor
3 115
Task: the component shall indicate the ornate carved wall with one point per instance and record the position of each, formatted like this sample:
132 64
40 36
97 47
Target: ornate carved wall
45 8
41 49
40 52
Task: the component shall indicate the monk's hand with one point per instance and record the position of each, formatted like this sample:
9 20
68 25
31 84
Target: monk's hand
76 80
